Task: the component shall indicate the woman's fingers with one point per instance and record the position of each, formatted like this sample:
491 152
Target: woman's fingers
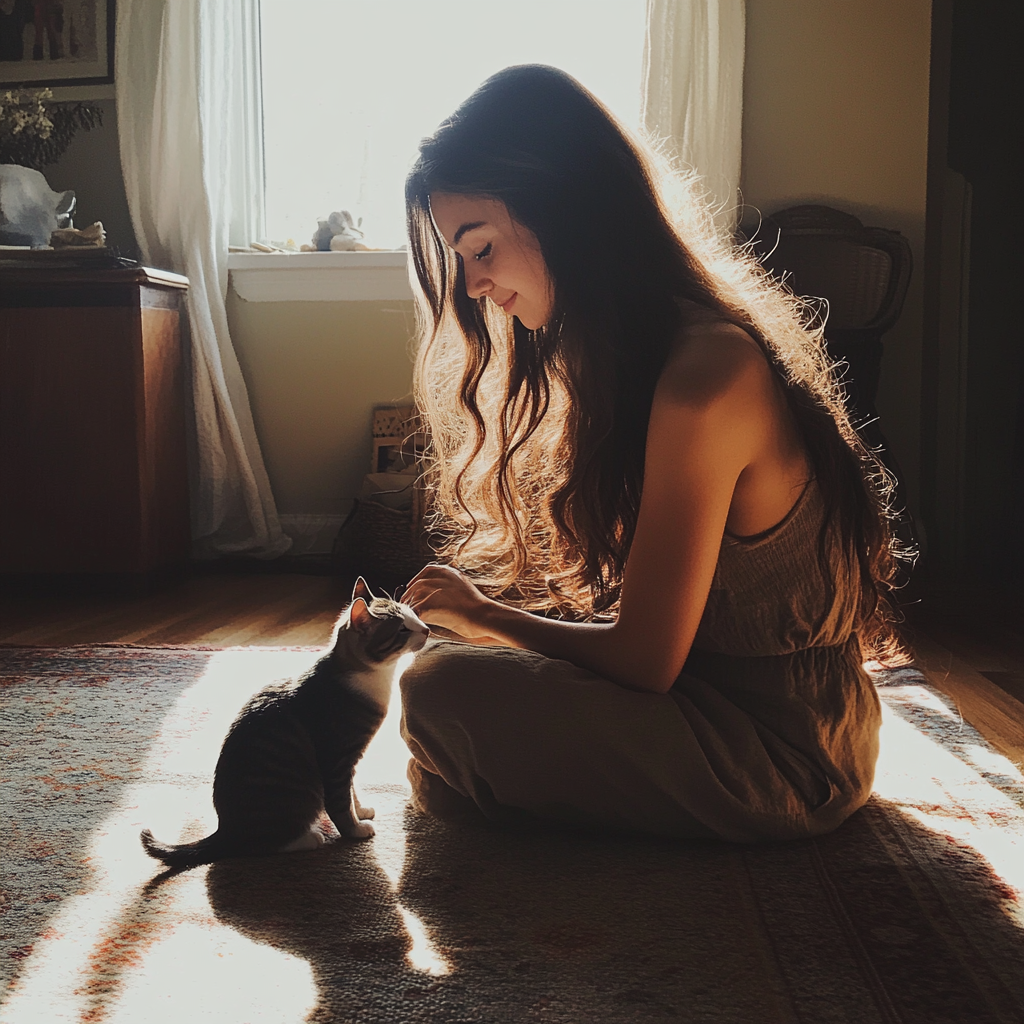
434 579
419 600
414 589
442 596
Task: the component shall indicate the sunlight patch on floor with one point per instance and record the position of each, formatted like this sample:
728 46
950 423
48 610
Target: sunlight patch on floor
423 956
204 972
386 758
383 767
111 943
119 954
951 794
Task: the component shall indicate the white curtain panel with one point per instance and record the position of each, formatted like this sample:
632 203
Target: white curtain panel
187 106
693 91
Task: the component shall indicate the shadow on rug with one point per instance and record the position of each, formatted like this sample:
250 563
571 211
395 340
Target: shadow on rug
911 912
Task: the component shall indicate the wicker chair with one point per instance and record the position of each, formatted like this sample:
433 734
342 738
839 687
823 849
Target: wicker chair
863 273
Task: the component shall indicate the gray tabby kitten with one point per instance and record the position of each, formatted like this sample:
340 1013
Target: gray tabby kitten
291 752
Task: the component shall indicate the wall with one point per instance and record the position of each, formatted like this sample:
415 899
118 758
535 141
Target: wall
314 369
836 102
314 372
836 112
91 166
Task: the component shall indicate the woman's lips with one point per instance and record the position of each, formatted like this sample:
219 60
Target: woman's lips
508 302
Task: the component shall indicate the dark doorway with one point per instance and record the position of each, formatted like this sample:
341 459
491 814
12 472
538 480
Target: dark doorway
973 429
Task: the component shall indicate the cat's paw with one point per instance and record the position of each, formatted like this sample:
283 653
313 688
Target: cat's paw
359 830
311 840
365 812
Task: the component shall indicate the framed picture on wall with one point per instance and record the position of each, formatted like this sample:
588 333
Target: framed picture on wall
56 42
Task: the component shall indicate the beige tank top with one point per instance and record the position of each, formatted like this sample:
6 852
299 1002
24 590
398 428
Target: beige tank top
770 596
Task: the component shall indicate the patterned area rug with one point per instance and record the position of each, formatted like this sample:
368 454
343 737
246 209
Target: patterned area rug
911 912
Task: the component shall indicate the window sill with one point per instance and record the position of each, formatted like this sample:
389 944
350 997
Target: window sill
320 276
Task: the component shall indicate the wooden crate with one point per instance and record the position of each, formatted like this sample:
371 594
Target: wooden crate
398 437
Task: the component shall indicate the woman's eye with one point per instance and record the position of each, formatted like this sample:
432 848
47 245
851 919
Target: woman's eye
484 252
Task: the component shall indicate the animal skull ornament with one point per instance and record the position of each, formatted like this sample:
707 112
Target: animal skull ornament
30 211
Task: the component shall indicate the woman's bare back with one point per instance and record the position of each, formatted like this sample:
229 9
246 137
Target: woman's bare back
770 485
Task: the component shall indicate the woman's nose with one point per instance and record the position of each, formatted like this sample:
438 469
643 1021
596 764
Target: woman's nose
478 284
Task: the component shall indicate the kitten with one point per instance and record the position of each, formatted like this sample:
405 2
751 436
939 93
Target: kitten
291 752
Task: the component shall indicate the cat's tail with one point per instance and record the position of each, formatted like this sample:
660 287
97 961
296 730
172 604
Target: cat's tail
187 855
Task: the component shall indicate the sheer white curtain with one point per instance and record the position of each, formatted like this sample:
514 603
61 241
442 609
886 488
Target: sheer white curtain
693 91
188 117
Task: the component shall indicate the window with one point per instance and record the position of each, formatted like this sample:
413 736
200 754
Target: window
351 86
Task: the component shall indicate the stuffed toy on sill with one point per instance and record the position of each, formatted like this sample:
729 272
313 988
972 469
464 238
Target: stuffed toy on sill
339 233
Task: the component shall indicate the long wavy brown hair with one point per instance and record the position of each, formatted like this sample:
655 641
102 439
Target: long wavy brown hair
538 437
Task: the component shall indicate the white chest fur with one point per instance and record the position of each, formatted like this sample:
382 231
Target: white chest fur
375 684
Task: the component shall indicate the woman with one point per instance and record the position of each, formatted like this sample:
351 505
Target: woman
635 435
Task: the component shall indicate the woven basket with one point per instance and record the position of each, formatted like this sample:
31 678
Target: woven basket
387 545
383 544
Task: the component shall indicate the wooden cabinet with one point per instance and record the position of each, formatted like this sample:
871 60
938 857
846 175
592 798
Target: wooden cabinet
92 422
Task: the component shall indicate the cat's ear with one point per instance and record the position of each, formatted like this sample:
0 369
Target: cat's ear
359 616
361 590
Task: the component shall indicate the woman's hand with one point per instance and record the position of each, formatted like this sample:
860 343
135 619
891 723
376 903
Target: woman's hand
442 597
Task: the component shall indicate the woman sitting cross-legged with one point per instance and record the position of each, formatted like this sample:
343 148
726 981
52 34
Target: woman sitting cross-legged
635 434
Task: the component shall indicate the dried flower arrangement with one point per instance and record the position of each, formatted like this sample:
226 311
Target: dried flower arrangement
35 132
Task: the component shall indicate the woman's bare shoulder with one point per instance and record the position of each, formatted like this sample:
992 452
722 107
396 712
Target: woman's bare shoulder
712 362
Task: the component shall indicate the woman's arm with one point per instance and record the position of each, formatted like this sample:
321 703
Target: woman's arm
711 416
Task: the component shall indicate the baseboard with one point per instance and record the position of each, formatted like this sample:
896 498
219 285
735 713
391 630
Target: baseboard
311 534
92 584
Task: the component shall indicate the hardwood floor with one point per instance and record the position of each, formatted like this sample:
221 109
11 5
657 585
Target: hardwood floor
971 647
216 610
985 631
971 644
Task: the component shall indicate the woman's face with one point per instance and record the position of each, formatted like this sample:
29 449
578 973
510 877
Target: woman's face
502 259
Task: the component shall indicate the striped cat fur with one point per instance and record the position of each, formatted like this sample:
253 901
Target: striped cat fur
291 753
